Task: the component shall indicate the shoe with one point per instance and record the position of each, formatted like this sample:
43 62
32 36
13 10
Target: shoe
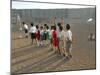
67 57
70 56
63 55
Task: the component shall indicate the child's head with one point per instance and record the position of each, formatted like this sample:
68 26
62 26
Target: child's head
41 27
37 27
51 27
59 24
60 28
47 27
32 24
67 26
54 27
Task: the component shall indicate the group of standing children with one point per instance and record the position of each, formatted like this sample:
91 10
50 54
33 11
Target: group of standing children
62 40
59 38
39 34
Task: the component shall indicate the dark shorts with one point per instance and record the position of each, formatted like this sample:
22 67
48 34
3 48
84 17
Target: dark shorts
45 36
33 36
26 31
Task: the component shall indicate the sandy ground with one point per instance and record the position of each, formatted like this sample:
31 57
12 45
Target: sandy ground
27 58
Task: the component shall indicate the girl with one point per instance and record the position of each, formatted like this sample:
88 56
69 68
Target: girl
41 35
55 40
37 35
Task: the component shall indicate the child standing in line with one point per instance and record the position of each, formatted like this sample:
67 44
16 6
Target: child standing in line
45 34
68 41
48 33
58 36
33 32
41 36
61 40
25 26
50 37
55 40
37 35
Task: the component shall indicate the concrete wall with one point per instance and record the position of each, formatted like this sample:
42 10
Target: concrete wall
45 15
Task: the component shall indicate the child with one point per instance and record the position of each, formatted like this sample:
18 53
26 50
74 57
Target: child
33 32
58 25
55 40
61 40
68 41
25 29
48 33
50 38
37 35
45 34
58 35
41 35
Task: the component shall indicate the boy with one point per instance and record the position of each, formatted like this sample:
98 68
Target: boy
45 34
25 26
68 41
48 34
33 32
61 40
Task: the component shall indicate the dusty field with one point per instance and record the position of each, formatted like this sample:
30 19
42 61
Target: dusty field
28 58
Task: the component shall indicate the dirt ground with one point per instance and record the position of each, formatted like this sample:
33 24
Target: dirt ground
27 58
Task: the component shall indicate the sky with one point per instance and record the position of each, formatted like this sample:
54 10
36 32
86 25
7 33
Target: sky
32 5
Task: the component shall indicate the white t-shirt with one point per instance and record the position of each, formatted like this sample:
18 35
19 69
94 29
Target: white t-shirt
51 32
33 29
25 26
48 31
69 35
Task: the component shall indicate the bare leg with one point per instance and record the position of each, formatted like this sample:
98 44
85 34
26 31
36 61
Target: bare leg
32 41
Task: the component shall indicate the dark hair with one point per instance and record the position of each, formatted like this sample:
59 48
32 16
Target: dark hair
59 24
54 27
41 27
37 27
47 27
51 27
32 24
67 26
60 28
23 22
